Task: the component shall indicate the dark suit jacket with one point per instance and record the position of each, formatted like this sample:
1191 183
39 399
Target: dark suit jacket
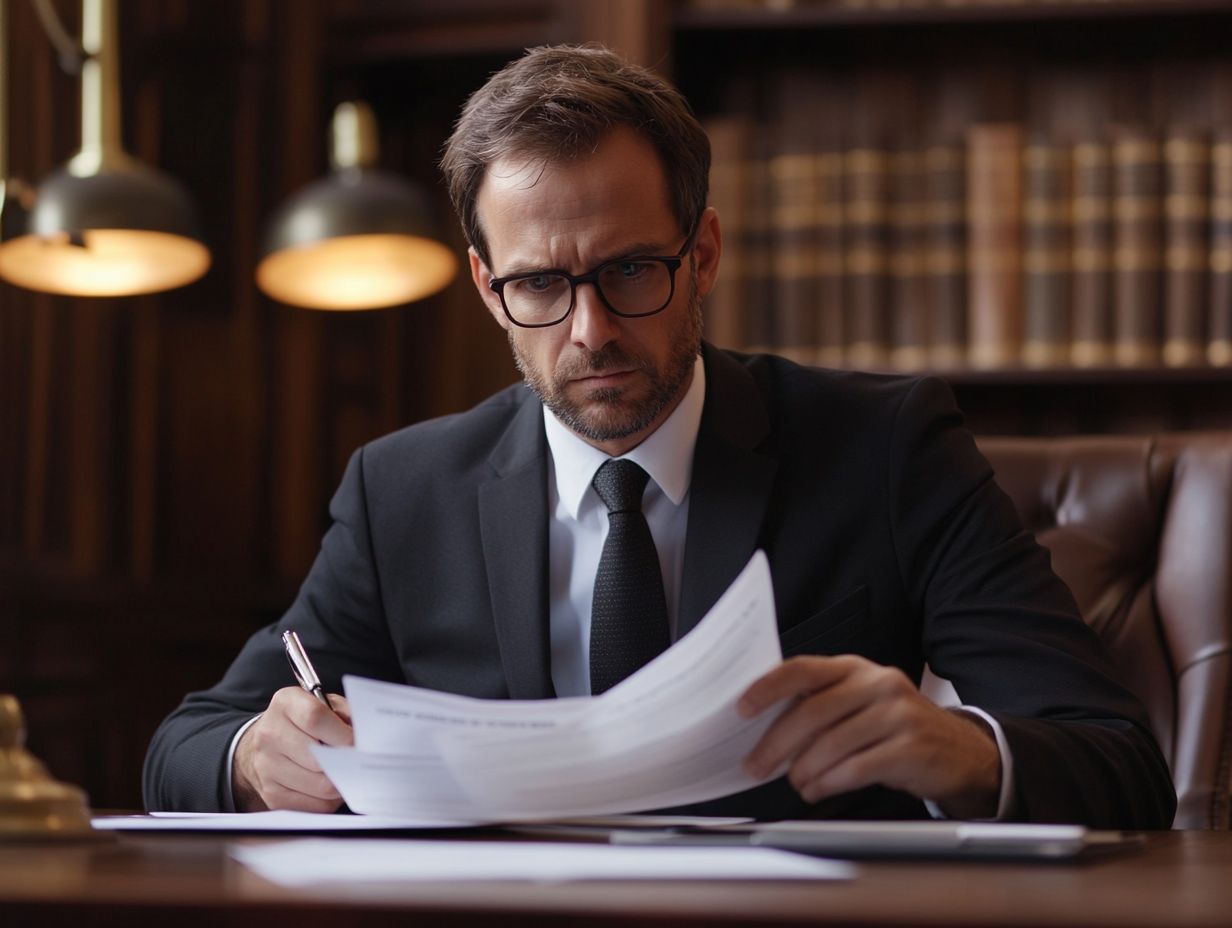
886 536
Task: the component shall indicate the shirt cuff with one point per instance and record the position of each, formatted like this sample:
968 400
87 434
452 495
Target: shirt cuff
228 798
1007 769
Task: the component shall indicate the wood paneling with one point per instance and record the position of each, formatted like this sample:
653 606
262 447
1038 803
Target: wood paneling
166 461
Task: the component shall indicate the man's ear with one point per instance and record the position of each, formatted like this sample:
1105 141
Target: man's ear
707 248
480 275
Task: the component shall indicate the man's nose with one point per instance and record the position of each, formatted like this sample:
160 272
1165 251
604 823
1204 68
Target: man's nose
592 325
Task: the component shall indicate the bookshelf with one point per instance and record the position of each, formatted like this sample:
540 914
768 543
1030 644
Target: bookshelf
1032 199
700 15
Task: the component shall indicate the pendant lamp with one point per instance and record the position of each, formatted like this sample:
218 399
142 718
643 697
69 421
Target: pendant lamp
105 224
360 238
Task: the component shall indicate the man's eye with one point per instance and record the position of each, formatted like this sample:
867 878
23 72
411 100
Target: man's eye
631 270
536 284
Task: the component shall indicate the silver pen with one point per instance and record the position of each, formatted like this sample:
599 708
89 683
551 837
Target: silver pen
304 672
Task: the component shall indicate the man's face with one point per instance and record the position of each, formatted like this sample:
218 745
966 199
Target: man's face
610 379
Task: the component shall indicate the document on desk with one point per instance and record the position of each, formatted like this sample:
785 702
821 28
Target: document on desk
312 862
668 735
260 822
283 820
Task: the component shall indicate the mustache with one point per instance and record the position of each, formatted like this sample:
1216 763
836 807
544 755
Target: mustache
586 363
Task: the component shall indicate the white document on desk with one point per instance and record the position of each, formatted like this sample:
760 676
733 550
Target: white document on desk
668 735
260 822
312 862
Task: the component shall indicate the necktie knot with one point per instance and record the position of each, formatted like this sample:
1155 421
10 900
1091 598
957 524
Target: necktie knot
620 484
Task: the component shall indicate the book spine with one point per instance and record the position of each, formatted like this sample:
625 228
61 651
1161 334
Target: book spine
1137 234
1219 346
759 314
908 308
793 187
724 324
1186 258
994 206
1091 257
829 259
944 264
1046 255
865 256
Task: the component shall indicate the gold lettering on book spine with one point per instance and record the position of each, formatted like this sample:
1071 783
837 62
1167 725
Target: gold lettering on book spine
1186 251
1219 347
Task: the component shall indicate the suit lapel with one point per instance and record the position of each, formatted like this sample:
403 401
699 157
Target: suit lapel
728 494
730 488
513 521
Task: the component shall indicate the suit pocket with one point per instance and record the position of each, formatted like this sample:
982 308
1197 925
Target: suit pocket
827 630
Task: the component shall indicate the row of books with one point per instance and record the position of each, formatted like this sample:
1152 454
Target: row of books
996 251
782 5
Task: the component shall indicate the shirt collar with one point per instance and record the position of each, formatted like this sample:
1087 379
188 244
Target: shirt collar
666 454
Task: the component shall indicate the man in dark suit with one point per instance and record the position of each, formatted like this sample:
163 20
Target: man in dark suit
464 551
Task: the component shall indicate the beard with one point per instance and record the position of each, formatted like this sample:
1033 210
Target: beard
610 414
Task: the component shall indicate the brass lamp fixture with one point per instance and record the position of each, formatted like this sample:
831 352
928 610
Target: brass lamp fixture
358 239
105 224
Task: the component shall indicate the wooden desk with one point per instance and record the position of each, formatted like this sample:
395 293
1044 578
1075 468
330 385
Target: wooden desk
1180 879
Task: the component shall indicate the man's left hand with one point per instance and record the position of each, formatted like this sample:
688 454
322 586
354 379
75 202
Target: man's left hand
853 723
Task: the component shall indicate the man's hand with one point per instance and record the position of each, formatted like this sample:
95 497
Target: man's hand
853 723
273 767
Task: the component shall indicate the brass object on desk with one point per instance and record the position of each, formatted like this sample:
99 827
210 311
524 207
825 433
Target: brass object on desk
32 804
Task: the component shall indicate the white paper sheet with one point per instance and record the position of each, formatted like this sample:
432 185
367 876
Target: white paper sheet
391 718
281 820
310 862
303 822
668 735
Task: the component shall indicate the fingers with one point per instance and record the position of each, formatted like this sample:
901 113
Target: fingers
793 677
859 769
852 723
274 766
306 713
286 784
341 708
809 723
859 751
829 691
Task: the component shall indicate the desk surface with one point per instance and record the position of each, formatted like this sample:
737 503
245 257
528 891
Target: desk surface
1179 879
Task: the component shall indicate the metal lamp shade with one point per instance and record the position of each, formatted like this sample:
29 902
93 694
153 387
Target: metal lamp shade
357 239
123 230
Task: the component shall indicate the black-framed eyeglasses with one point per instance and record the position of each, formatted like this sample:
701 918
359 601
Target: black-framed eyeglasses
632 287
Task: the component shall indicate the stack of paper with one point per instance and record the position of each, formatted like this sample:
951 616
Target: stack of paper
668 735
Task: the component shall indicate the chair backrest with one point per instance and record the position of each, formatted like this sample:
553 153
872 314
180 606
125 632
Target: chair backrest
1141 530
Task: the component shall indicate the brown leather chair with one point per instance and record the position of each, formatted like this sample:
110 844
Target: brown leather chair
1141 530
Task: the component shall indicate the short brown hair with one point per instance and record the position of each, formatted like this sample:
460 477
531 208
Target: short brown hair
557 102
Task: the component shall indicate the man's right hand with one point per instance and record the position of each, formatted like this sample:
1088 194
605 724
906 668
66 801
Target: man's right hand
273 766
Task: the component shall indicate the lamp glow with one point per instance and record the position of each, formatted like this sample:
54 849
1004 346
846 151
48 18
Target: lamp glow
357 272
359 238
107 262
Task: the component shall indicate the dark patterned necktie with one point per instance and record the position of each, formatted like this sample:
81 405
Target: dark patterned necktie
628 618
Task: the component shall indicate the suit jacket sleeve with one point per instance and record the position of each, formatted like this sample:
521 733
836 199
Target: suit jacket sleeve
1004 630
340 618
